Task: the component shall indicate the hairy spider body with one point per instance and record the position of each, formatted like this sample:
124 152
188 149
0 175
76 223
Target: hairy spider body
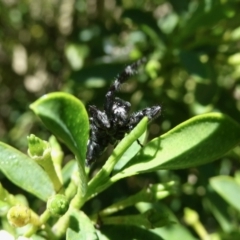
111 124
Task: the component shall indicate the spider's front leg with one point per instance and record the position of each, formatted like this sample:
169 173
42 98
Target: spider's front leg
150 112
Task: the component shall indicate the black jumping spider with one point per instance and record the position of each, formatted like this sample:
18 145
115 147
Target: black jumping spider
111 124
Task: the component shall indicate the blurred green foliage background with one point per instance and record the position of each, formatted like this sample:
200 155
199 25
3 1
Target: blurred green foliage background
76 46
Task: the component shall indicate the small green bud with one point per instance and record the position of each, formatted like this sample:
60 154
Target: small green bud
19 216
57 204
40 151
36 146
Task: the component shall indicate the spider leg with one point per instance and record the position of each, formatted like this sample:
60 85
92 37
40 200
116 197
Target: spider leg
121 78
139 143
150 112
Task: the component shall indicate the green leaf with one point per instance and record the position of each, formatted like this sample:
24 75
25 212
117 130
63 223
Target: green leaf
228 189
24 172
199 140
80 227
66 117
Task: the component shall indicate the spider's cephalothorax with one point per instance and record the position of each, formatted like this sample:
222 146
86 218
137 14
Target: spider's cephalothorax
110 125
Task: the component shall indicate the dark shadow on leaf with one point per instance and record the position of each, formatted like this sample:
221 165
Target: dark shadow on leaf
74 224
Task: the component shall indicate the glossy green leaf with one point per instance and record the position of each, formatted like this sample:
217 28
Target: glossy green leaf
80 227
24 172
228 189
66 117
199 140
